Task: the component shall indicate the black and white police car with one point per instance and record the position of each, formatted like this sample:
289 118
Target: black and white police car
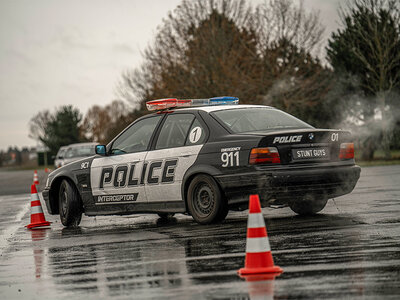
204 157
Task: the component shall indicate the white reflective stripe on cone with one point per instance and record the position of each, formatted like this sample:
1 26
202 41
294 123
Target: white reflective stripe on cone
255 245
255 220
34 197
36 210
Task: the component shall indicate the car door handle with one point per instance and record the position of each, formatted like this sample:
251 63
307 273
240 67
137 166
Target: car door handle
187 155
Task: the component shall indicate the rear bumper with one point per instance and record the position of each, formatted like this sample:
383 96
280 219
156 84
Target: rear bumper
284 184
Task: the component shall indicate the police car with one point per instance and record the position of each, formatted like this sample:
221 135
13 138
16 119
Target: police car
204 157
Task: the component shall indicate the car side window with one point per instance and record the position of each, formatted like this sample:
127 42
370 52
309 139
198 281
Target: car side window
197 134
174 131
136 138
61 154
69 153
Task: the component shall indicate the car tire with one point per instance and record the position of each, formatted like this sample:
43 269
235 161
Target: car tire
308 205
70 205
165 215
222 213
205 201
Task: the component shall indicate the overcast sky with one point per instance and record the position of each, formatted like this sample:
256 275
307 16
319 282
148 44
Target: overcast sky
54 53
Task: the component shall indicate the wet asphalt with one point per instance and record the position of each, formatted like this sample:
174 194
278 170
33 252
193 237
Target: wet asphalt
351 250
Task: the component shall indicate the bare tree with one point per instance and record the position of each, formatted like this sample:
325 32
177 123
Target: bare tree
292 77
101 124
199 37
38 124
95 123
222 47
277 20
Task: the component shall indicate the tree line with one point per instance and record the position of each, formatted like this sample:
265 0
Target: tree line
266 54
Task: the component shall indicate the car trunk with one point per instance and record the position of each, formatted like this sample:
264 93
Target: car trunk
302 146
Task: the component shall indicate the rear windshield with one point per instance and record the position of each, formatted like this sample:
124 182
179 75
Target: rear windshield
242 120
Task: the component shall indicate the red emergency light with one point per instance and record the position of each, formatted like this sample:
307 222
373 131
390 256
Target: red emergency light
161 104
166 103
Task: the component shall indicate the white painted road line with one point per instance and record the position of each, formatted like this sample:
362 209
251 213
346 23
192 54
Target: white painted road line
11 230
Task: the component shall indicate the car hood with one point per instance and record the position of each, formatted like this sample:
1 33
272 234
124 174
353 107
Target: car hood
71 166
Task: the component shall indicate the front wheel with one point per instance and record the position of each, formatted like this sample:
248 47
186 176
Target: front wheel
205 201
70 206
308 205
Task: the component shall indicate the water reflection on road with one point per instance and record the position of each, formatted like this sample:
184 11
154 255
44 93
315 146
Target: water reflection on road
351 250
117 261
149 260
327 255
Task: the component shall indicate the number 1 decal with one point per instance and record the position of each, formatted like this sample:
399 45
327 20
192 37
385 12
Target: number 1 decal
195 135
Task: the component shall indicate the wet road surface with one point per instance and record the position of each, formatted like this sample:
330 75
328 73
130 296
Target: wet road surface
19 182
351 250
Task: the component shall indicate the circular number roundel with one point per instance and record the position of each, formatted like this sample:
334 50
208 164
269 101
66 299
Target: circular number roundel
195 135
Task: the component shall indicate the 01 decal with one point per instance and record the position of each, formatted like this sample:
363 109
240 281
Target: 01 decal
335 137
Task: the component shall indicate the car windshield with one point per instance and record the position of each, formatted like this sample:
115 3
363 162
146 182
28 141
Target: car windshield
252 119
80 151
61 152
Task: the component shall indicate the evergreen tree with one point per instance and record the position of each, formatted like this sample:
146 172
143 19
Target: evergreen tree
58 129
368 47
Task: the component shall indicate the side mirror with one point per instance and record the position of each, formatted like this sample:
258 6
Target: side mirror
53 157
101 150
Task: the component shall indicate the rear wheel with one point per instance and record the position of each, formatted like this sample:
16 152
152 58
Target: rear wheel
70 206
308 205
205 202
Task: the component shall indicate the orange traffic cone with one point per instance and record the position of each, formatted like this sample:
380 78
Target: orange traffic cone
35 178
37 215
258 251
47 170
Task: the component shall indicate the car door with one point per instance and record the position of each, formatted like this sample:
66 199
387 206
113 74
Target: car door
119 177
178 144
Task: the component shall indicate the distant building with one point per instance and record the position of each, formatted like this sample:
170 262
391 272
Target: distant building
44 158
15 157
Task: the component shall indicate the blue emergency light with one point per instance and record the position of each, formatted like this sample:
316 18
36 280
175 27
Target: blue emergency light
226 100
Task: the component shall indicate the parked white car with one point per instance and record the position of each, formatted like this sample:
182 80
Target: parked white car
73 152
58 162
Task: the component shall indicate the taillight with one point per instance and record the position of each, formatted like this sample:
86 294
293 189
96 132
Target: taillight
264 156
346 151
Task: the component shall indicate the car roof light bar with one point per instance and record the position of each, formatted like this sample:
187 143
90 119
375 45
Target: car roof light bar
162 104
226 100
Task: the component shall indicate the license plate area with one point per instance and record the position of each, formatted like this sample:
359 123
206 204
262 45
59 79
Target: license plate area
320 153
